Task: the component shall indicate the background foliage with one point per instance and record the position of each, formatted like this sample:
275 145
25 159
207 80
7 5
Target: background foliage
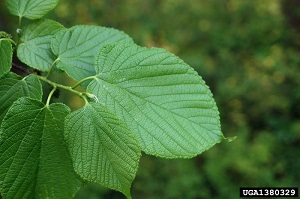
248 53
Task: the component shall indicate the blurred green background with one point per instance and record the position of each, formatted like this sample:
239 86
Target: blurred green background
247 51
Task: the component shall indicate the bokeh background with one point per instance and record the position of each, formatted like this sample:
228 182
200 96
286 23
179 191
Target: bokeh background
248 52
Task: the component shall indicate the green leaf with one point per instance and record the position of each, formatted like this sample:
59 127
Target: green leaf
5 35
13 87
102 148
35 50
10 75
163 101
76 48
5 55
31 9
34 160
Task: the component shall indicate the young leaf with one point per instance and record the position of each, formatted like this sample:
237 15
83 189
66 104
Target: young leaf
76 48
6 56
13 87
31 9
102 147
35 50
34 161
162 100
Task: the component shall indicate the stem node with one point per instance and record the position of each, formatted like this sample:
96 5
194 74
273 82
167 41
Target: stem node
56 85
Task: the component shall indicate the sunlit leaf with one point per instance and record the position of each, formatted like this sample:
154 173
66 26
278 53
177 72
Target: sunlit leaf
76 48
31 9
162 100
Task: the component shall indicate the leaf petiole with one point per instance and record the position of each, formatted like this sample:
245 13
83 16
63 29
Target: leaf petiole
19 31
83 80
50 95
51 68
20 22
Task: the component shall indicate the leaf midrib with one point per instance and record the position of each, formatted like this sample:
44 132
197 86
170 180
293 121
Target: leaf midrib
30 126
143 99
147 117
120 184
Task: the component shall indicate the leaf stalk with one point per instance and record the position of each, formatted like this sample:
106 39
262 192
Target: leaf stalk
83 80
51 68
50 95
19 31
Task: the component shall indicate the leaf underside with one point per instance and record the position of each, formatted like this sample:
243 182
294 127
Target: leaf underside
31 9
76 48
35 50
162 100
34 161
6 52
102 147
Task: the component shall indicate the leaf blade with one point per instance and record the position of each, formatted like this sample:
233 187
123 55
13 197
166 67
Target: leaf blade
102 148
35 50
6 52
31 9
76 48
13 87
162 100
34 160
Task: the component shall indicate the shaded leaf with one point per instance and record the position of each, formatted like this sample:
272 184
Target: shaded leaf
6 52
35 50
76 48
10 75
12 87
102 147
162 100
34 161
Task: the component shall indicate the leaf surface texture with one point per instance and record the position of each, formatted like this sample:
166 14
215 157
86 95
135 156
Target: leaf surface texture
35 50
76 48
31 9
12 87
5 55
34 161
162 100
102 147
